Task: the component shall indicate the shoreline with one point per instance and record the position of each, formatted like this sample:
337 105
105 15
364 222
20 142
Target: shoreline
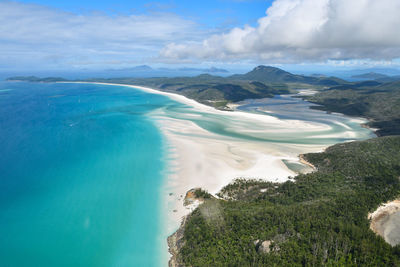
305 162
200 158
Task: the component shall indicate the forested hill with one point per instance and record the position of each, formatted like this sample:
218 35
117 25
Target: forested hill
276 75
370 76
319 219
379 102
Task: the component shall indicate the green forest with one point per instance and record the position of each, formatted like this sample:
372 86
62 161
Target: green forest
380 103
316 219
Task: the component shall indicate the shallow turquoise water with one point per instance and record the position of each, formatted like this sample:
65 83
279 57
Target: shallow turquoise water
285 108
81 170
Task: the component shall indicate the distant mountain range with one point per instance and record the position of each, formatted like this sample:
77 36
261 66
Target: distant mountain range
374 76
209 70
380 70
133 69
370 76
146 68
389 79
264 74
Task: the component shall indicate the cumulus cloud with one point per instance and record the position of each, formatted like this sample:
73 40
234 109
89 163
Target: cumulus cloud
32 34
305 30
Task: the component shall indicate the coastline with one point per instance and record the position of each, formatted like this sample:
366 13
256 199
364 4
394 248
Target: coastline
200 158
175 242
305 162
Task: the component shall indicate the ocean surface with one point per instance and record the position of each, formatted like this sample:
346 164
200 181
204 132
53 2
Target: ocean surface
82 167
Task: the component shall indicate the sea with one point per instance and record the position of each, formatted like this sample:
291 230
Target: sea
82 169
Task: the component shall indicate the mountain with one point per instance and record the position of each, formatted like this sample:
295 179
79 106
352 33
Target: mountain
370 76
270 74
384 71
216 70
134 69
206 70
267 74
147 71
318 75
363 85
389 79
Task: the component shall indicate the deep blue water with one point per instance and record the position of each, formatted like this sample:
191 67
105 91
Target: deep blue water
81 167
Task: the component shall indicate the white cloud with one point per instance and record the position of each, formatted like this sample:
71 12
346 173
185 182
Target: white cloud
32 34
305 30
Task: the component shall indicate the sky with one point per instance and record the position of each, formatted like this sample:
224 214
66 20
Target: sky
101 34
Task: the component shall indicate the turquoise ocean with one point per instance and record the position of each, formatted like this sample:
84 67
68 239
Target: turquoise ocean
82 168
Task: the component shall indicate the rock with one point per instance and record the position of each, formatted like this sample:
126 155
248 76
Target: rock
385 221
175 243
190 197
264 247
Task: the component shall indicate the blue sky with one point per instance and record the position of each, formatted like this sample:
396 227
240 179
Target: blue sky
44 34
217 13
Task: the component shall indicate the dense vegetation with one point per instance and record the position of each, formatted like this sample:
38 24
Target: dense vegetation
201 194
271 74
378 102
320 219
